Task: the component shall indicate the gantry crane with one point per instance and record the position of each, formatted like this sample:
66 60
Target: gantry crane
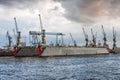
57 35
74 42
86 37
94 38
114 39
104 38
18 40
35 35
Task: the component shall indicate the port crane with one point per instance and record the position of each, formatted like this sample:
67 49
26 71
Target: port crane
18 37
35 35
74 41
86 37
9 40
43 34
114 38
104 38
94 38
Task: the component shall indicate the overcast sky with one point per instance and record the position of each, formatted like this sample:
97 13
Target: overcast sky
66 16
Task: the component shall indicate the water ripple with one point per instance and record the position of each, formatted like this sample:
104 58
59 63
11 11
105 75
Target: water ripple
102 67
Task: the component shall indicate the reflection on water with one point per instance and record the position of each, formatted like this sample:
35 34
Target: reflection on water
100 67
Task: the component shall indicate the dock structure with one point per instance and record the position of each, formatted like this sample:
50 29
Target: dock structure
61 51
73 51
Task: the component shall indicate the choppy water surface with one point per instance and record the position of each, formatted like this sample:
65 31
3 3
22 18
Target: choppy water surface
100 67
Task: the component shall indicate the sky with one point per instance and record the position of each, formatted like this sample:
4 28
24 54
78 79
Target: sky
66 16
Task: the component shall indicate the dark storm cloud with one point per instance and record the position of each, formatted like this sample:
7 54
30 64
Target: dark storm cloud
90 10
18 3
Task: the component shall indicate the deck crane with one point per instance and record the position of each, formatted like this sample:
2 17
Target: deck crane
114 38
74 42
18 40
43 34
86 37
94 38
104 38
9 40
42 31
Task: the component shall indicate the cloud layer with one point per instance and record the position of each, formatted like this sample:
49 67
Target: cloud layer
90 10
61 16
18 3
84 11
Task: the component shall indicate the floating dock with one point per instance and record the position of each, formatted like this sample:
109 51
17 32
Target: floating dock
73 51
61 51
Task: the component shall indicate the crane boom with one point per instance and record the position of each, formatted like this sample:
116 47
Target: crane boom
18 33
114 35
86 37
84 32
104 38
92 33
16 24
94 38
74 42
103 32
41 26
71 37
114 38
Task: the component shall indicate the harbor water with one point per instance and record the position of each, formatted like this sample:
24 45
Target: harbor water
95 67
